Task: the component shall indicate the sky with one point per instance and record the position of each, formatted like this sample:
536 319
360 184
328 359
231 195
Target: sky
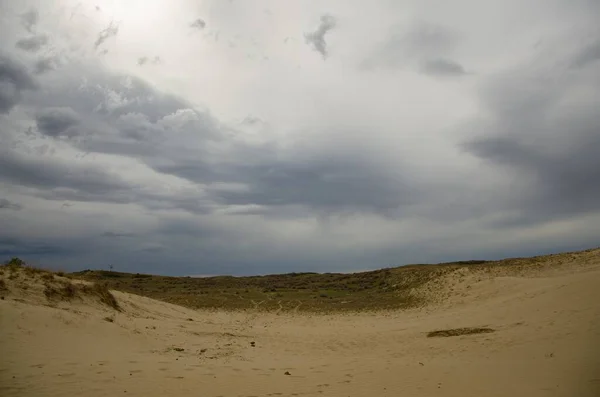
254 137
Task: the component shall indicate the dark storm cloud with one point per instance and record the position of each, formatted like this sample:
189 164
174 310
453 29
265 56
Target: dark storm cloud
57 122
325 184
14 79
316 39
58 179
169 136
442 67
548 144
28 247
110 31
9 205
32 43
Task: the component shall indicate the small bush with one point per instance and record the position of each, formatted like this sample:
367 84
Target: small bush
15 262
3 286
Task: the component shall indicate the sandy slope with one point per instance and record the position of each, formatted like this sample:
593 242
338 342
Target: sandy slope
547 343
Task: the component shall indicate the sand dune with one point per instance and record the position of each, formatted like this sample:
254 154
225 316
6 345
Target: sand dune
545 342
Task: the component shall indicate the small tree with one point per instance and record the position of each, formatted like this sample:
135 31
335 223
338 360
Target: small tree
110 267
16 262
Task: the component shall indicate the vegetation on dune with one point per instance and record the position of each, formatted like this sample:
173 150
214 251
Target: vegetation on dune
391 288
56 285
300 291
68 290
445 333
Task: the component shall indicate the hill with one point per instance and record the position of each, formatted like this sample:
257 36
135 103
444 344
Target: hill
392 288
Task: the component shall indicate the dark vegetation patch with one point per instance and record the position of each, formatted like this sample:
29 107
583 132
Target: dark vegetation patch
459 332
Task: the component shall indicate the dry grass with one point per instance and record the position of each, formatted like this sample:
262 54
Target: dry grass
103 293
67 291
459 332
56 287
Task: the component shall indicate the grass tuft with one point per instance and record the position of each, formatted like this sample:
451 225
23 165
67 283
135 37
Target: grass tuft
68 291
106 297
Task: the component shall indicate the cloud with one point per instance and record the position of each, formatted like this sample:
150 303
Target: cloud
542 129
199 24
326 184
117 235
60 180
9 205
46 64
587 55
145 60
172 138
41 247
426 45
57 122
110 31
442 67
316 39
424 38
14 79
29 19
32 43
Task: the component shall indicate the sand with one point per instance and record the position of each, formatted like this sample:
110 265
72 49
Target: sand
546 342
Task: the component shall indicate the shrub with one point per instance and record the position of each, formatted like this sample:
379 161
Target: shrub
15 262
